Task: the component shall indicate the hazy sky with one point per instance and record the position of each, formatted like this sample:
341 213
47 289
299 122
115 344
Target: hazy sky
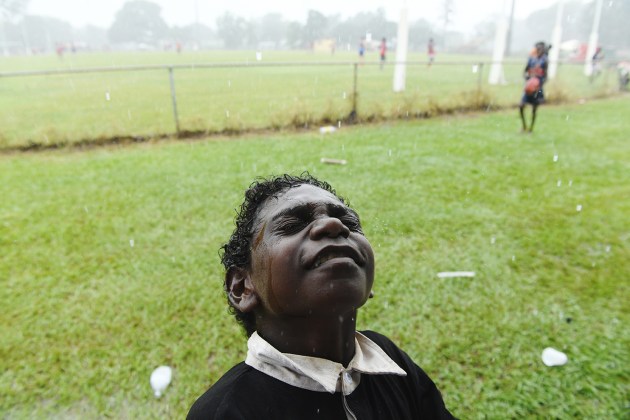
180 12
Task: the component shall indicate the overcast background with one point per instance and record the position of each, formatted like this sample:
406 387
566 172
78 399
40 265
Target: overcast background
466 13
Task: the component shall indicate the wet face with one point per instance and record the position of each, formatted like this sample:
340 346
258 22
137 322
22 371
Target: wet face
309 255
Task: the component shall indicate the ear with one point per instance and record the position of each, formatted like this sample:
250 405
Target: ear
240 289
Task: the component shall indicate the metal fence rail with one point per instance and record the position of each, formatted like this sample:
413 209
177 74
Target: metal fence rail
367 82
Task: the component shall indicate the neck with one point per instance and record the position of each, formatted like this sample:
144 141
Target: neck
328 337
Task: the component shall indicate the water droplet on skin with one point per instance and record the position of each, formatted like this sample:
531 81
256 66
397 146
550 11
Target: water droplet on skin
578 207
555 158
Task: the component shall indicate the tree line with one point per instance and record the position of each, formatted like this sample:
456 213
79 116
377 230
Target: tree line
139 24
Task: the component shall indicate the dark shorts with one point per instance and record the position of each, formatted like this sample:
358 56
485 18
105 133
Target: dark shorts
535 99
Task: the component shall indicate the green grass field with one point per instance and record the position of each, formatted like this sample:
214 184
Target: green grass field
69 108
109 261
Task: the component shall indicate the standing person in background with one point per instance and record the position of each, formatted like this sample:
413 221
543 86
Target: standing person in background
535 76
361 51
383 51
596 67
431 51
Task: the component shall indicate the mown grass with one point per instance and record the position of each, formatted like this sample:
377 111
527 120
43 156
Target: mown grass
109 265
70 108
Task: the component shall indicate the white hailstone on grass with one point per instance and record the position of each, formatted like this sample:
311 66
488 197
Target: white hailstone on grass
553 357
160 379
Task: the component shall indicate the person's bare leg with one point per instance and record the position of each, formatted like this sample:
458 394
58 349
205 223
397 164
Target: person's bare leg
522 111
534 108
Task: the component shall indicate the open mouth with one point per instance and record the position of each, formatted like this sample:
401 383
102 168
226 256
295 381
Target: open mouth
330 253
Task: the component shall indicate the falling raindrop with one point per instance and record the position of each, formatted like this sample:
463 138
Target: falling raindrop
559 183
129 114
85 208
567 118
555 158
343 95
493 240
343 147
229 83
131 243
227 114
513 257
608 248
107 97
389 152
339 124
475 68
570 182
578 207
258 56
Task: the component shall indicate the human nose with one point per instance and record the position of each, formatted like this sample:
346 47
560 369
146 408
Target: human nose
330 227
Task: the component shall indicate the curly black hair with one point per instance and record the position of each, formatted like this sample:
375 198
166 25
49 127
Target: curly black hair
236 253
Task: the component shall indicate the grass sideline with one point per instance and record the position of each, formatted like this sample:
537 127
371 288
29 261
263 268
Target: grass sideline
53 110
109 262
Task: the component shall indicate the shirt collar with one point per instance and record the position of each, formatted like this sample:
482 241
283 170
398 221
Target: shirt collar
318 374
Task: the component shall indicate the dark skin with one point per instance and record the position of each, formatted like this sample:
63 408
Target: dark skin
540 50
311 269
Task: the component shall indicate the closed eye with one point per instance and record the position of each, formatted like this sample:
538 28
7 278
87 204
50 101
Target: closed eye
352 223
290 225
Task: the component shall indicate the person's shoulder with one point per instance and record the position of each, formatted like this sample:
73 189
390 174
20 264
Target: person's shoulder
225 393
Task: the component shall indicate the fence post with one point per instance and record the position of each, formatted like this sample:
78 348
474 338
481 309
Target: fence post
174 99
353 113
479 77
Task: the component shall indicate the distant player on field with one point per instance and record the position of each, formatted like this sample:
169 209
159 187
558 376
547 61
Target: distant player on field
535 76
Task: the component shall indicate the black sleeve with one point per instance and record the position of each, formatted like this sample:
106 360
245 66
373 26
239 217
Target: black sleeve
428 398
